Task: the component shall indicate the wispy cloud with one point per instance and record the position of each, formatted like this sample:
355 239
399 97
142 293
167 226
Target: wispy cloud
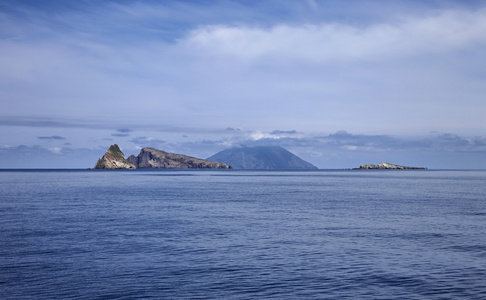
124 130
43 122
56 150
50 138
101 123
144 141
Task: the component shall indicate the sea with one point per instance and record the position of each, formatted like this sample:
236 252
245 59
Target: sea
237 234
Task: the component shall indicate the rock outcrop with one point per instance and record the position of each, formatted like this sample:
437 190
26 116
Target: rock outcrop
387 166
262 158
150 158
114 159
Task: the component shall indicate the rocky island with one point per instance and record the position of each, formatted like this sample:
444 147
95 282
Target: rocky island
150 158
387 166
114 159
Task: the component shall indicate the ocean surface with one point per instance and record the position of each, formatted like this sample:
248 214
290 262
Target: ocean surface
229 234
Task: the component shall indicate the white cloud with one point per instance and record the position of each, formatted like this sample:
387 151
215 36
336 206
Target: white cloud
56 150
442 32
259 135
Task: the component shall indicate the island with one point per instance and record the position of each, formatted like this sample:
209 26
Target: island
262 158
150 158
387 166
114 159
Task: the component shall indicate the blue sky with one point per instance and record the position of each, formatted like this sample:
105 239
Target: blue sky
339 83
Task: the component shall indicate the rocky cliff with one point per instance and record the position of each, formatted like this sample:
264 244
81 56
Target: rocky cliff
386 166
114 159
150 158
262 157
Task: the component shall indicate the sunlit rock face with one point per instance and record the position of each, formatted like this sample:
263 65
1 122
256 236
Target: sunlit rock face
114 159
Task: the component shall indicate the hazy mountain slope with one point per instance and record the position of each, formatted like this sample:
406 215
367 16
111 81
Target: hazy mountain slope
262 157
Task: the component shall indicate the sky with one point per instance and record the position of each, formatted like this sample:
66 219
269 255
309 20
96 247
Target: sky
338 83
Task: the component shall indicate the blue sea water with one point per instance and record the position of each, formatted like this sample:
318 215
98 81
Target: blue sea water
229 234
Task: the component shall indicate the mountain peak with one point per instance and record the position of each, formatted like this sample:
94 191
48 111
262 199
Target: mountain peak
262 157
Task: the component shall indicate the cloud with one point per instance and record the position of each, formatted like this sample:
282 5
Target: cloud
342 140
145 141
452 142
100 124
23 156
280 132
260 135
50 138
112 69
56 150
124 130
37 122
120 134
329 42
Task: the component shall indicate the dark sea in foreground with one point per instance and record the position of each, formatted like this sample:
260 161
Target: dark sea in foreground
228 234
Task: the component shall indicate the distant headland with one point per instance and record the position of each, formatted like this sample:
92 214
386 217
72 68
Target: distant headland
387 166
